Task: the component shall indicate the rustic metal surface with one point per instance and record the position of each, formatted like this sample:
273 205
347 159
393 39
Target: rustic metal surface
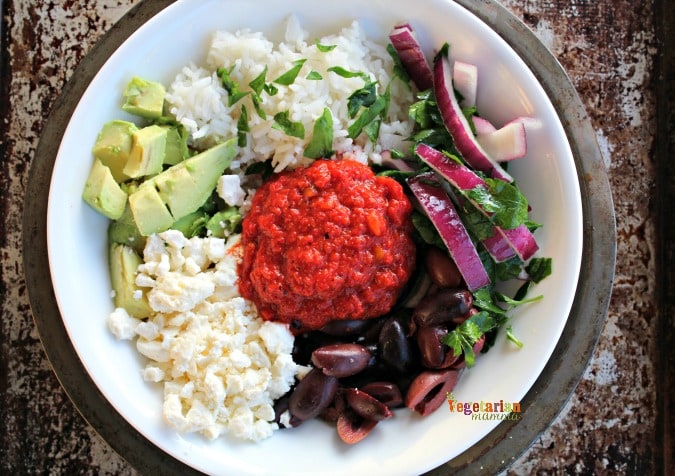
611 422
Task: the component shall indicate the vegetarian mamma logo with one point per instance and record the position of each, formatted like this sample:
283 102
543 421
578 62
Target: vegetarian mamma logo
483 410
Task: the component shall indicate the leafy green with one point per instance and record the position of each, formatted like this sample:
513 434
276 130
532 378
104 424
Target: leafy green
242 127
283 122
504 201
324 48
399 70
231 86
367 116
321 143
539 268
511 336
426 229
464 336
265 169
289 76
314 76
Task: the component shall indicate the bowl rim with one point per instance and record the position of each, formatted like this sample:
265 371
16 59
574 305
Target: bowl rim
543 401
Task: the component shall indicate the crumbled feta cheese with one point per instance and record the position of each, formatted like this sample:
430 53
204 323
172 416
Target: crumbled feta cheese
229 189
222 366
121 324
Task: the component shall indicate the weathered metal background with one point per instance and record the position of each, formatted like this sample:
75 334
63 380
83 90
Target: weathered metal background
610 49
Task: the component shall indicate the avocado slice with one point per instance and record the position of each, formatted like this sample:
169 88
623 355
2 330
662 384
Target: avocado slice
144 98
124 231
176 145
113 145
149 210
179 190
124 262
148 146
103 193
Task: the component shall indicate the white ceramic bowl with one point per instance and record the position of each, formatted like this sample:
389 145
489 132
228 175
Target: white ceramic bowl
406 444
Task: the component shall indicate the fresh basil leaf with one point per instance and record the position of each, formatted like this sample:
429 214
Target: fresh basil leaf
242 127
283 123
321 143
289 76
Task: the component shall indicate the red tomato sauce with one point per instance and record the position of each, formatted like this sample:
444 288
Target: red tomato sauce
326 242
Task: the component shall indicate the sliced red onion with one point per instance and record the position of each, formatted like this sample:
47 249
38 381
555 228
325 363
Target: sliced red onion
482 126
439 208
412 56
464 179
506 143
465 81
457 124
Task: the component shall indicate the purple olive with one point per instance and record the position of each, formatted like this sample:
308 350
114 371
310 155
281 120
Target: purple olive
366 405
429 390
345 328
386 392
341 360
442 306
441 268
395 348
312 395
353 428
434 354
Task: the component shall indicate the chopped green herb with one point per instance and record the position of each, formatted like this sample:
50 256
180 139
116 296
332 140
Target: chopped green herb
324 48
503 200
345 73
539 268
398 70
367 117
231 86
511 336
289 76
426 230
242 127
321 143
314 76
283 123
464 336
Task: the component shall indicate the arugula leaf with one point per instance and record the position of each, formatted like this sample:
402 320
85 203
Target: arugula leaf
324 48
464 336
230 85
289 76
283 123
314 76
242 127
321 143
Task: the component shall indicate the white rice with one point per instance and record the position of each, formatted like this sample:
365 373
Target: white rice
197 99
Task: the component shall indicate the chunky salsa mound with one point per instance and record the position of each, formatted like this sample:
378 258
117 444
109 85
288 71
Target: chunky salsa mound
327 242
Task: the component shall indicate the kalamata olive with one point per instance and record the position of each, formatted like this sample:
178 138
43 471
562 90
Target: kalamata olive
429 390
386 392
341 360
477 347
434 353
281 407
312 394
347 327
333 411
458 320
441 268
366 405
395 348
353 428
306 343
442 306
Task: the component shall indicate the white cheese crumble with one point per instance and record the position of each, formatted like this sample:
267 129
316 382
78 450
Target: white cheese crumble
222 366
